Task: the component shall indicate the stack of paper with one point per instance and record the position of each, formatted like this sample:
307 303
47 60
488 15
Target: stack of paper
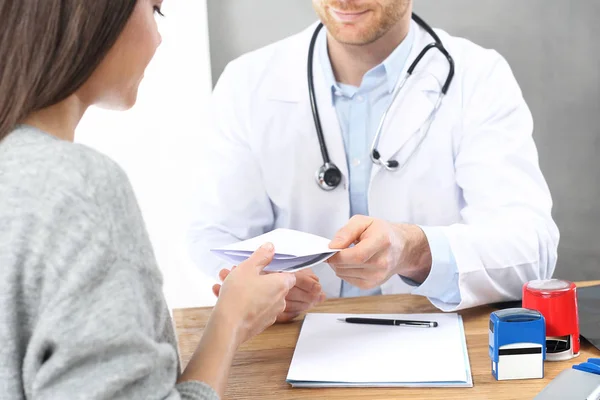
294 250
332 353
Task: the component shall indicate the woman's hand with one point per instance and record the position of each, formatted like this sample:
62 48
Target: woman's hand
250 301
306 294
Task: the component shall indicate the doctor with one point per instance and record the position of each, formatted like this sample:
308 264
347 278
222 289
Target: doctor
447 200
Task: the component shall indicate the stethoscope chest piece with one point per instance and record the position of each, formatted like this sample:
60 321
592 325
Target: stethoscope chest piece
328 176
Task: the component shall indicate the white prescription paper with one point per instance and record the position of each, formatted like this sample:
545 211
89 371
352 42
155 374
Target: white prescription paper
332 353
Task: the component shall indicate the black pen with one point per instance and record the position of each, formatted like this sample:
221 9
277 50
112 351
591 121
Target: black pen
395 322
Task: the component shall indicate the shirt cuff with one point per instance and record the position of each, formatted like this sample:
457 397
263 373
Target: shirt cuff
442 282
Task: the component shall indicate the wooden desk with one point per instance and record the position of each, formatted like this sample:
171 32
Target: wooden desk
261 365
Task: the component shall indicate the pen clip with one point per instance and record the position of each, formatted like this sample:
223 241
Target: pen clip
416 324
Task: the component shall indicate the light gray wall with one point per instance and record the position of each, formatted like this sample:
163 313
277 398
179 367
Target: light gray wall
553 49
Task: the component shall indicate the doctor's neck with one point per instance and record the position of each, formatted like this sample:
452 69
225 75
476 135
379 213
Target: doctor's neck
350 62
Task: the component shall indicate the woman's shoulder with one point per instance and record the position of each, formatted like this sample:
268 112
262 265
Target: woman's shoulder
53 188
42 166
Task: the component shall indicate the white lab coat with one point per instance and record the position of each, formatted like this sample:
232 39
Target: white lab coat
475 178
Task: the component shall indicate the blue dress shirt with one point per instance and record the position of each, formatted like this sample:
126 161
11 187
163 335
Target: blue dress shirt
359 110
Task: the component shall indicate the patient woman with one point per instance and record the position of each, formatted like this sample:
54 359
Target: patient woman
82 314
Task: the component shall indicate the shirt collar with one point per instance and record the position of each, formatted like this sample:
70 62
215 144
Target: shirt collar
393 65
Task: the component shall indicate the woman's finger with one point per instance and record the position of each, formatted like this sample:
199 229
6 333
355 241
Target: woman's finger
223 274
216 289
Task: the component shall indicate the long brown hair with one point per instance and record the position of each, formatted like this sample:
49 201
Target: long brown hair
49 48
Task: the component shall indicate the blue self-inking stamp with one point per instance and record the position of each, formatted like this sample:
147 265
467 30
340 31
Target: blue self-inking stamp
517 344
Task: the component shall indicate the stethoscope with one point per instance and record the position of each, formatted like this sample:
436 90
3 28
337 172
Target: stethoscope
329 175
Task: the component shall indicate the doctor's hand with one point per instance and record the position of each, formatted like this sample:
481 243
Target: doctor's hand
381 249
306 294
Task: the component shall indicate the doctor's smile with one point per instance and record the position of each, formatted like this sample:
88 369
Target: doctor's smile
347 16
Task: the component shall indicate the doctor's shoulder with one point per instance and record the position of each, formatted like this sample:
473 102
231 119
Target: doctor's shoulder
253 69
482 73
476 65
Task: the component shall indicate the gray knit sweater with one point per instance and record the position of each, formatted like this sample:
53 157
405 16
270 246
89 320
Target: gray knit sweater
82 315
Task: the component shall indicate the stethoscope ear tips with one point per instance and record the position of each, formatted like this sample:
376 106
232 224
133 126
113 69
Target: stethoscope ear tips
390 165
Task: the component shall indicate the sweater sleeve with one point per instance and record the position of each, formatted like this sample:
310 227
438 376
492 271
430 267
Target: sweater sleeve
103 331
